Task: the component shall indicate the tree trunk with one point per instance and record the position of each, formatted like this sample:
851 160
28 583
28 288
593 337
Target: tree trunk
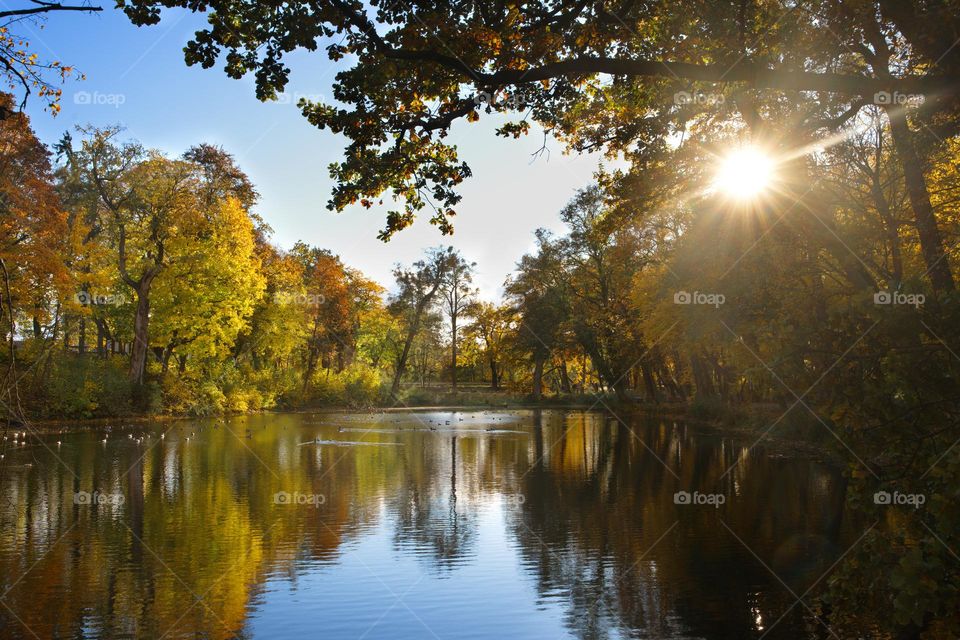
494 375
82 337
538 379
311 367
101 352
620 385
890 223
453 351
648 383
670 381
57 319
141 336
313 353
565 385
166 357
402 361
931 242
701 377
722 379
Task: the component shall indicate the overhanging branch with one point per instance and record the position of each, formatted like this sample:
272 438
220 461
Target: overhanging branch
45 7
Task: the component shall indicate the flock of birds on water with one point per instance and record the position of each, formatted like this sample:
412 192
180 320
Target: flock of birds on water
19 438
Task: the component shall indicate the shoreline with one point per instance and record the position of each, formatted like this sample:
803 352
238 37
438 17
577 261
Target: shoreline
747 424
673 410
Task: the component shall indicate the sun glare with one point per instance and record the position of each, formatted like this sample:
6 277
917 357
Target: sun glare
744 174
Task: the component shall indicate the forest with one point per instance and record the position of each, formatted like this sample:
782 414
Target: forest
141 284
774 231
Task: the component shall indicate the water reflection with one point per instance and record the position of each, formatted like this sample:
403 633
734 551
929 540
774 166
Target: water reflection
484 524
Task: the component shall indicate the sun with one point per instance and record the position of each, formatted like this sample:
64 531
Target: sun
745 173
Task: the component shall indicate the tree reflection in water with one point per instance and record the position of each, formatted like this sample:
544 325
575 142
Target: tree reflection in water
571 521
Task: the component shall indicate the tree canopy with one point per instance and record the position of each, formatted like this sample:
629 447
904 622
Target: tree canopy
596 75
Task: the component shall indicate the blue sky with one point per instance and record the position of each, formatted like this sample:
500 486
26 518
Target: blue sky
136 77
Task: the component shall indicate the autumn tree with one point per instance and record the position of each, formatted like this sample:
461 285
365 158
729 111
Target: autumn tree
417 287
457 295
279 321
366 314
23 71
491 324
33 225
221 177
601 260
328 302
205 298
171 225
538 295
145 199
33 245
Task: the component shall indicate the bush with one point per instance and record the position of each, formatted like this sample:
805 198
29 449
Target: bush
211 400
361 386
71 392
355 386
85 387
71 386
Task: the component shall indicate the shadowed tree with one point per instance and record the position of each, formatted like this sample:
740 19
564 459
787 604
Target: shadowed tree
457 296
491 324
417 287
539 298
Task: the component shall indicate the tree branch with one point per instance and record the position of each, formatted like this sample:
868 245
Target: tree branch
755 75
45 7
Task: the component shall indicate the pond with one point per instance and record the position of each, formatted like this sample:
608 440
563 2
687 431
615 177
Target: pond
432 524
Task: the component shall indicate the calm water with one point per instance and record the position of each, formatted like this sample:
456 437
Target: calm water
410 525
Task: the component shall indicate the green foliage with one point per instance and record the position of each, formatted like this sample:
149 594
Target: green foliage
357 386
84 387
598 76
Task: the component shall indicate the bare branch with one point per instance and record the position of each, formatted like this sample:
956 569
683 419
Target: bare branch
46 7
